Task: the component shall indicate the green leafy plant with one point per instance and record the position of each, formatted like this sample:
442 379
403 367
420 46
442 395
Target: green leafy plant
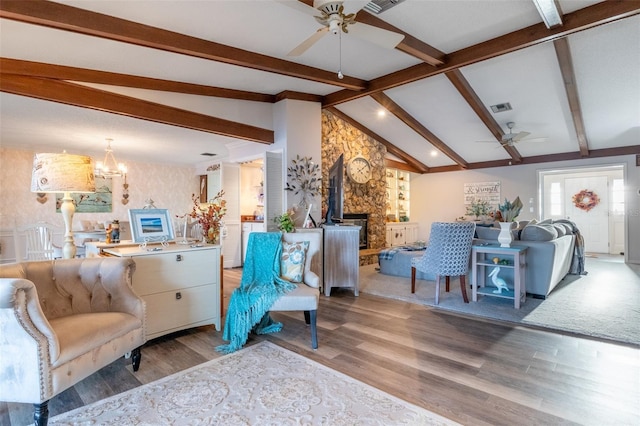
509 211
478 208
285 221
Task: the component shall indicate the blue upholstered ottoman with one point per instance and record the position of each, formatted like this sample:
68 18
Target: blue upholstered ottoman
399 264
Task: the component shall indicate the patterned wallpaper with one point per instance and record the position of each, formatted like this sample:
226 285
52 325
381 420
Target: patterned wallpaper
169 186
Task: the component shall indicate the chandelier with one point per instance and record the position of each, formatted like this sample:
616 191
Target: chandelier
110 167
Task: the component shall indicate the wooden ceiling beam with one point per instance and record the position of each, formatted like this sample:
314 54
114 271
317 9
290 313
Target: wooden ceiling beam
63 17
100 100
60 72
393 164
412 164
547 158
409 44
464 88
298 96
569 78
583 19
417 127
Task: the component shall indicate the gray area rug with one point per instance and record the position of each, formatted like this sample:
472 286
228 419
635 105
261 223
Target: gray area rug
605 303
262 384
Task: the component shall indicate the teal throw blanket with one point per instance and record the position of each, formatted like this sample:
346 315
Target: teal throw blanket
260 287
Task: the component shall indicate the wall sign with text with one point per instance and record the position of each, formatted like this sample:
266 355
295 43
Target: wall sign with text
482 191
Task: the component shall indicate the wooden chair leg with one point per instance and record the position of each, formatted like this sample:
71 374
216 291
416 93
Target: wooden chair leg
447 283
136 356
413 279
314 329
437 289
41 413
463 289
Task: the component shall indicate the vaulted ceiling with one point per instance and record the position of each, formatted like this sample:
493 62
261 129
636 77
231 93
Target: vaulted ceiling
169 80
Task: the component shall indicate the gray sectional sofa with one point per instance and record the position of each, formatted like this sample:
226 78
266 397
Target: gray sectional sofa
551 255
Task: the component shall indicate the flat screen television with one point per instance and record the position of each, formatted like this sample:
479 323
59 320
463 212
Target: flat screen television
336 192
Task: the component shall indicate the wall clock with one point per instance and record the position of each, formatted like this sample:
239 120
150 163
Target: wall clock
359 169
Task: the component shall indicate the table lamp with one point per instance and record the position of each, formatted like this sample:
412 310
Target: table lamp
63 173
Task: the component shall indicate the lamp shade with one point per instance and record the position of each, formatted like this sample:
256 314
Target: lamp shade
62 172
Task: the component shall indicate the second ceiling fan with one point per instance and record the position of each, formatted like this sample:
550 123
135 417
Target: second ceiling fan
335 20
510 139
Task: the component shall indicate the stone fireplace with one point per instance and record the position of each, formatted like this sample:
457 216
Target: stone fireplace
359 219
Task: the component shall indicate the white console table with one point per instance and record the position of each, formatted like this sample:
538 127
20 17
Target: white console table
341 257
180 284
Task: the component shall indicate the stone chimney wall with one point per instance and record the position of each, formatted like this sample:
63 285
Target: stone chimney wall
339 137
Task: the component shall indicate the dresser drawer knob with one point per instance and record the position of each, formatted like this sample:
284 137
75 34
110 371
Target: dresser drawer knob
178 295
178 258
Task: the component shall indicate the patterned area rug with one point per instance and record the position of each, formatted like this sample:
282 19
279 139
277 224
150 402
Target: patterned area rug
261 384
605 303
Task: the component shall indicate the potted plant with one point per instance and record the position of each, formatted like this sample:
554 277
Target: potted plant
285 221
478 208
506 214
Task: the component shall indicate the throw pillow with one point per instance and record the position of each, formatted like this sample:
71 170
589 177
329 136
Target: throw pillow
562 231
292 260
567 228
538 233
487 233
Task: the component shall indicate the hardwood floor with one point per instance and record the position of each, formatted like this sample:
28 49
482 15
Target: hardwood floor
475 372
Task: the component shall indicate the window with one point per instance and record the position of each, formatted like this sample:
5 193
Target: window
555 199
617 197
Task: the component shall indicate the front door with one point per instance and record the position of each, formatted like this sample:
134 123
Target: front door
593 223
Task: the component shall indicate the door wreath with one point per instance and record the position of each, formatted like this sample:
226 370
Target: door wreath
586 200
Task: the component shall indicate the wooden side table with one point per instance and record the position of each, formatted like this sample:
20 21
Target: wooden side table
341 253
481 259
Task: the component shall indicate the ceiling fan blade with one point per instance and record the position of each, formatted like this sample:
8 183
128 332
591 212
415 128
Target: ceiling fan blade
520 135
383 38
302 47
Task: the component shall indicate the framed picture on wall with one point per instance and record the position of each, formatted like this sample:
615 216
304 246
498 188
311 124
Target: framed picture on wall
150 225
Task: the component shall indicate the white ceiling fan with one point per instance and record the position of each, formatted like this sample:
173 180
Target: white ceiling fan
510 139
335 20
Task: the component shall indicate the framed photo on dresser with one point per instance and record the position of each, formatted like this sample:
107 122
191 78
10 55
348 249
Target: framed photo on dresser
150 225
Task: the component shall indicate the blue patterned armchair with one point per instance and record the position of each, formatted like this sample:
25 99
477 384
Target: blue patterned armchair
447 255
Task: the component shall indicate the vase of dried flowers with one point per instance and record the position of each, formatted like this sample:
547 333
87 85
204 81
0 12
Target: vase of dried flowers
509 211
209 215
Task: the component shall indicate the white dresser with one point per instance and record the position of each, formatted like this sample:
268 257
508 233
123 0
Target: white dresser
180 285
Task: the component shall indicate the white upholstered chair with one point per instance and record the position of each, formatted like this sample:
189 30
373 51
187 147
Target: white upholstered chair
61 321
305 297
447 255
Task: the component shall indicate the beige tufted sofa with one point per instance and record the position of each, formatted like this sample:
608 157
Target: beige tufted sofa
61 321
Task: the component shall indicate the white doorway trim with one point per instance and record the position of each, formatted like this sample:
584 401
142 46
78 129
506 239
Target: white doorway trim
616 222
